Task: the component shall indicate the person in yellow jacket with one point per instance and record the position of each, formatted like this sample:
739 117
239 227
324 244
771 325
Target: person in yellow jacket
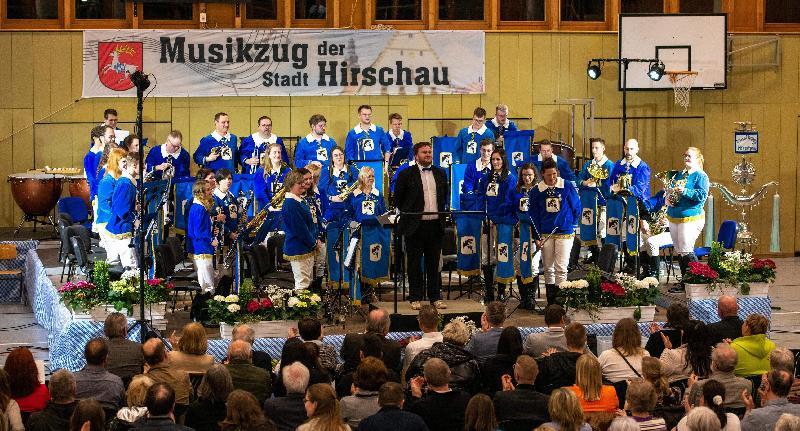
753 347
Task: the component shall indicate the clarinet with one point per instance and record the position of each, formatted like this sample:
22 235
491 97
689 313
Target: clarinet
241 227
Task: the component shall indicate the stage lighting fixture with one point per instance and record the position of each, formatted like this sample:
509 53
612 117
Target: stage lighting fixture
656 71
593 70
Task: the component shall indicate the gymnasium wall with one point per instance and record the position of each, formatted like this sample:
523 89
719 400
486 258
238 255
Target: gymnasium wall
43 122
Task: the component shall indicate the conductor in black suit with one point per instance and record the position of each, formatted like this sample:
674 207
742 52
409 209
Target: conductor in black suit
422 188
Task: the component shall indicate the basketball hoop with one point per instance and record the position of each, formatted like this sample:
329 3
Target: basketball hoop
682 81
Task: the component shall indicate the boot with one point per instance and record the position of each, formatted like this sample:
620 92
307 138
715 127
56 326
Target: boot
644 265
655 267
683 263
501 291
551 290
524 295
488 282
594 251
574 254
630 264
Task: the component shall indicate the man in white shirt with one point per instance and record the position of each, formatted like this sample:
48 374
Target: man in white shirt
428 319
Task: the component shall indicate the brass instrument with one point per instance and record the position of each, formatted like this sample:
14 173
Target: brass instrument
624 182
597 172
223 151
658 222
276 202
671 186
348 191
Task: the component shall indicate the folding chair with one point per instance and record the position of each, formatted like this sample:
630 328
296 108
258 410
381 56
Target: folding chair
8 252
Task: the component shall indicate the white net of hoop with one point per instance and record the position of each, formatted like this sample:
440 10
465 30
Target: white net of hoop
682 86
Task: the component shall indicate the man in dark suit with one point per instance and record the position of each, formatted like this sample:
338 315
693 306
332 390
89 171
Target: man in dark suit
521 407
422 188
441 408
391 416
730 325
289 412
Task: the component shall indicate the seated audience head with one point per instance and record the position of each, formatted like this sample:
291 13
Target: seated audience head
565 410
677 315
724 358
428 318
510 342
525 370
216 384
321 404
456 332
244 332
370 374
702 419
779 383
653 373
22 372
96 351
480 415
575 334
309 329
624 423
292 351
193 340
589 377
372 346
160 400
781 358
495 313
788 422
641 396
240 350
698 349
115 326
727 306
243 412
379 321
154 351
137 390
88 411
554 315
436 372
391 394
62 387
755 324
714 398
295 378
627 338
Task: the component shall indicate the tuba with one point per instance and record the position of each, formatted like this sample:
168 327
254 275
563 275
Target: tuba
671 185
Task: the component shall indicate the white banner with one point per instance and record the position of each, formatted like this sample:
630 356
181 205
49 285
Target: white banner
263 62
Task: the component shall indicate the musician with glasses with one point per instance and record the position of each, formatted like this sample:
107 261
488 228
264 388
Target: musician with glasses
500 124
685 198
317 145
254 147
169 156
594 187
494 187
366 141
300 225
469 138
337 182
218 149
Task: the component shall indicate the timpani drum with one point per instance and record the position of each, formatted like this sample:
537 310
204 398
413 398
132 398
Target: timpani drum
36 195
79 187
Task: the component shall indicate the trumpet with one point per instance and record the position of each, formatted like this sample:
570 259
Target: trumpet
671 186
223 151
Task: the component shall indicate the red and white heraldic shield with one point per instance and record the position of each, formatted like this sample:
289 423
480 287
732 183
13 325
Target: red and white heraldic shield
116 62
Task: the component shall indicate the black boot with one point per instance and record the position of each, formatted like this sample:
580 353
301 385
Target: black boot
594 251
524 295
488 282
551 290
574 254
683 263
655 267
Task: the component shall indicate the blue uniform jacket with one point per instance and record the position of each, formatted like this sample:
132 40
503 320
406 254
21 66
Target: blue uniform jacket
198 232
316 199
224 202
640 181
249 145
555 207
300 227
690 205
564 170
520 202
158 155
472 198
604 186
397 172
309 149
495 128
368 144
90 163
498 208
215 140
265 188
123 207
367 207
468 147
405 144
105 190
330 187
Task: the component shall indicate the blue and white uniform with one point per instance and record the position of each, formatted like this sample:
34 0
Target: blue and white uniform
472 198
520 201
90 162
265 186
256 146
498 209
227 204
313 148
370 144
500 129
687 216
401 146
300 225
555 209
564 170
179 160
468 147
228 157
397 171
336 182
199 238
366 207
105 190
640 176
598 210
120 224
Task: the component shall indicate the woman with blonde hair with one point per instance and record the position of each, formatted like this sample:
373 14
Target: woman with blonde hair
366 205
114 166
322 409
685 208
200 241
623 360
565 412
190 353
135 395
592 394
268 180
243 413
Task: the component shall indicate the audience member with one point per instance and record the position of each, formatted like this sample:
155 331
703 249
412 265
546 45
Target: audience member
136 397
677 319
521 404
57 413
160 402
565 412
209 409
30 394
289 412
94 381
155 355
371 347
368 378
244 413
592 394
244 374
190 352
640 400
723 363
464 370
702 419
730 325
783 359
623 423
692 357
428 319
8 406
125 357
295 350
788 422
713 397
484 342
378 322
553 337
557 369
88 416
322 409
311 332
391 416
753 347
509 347
774 401
480 414
666 395
442 408
623 360
243 331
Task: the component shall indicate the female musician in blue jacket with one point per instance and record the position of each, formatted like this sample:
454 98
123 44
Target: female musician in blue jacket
336 177
300 224
494 188
123 216
200 241
267 181
105 190
527 255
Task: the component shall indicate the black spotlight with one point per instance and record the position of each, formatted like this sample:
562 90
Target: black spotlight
140 80
593 70
656 70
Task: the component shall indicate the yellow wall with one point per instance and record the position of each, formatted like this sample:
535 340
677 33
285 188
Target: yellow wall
40 82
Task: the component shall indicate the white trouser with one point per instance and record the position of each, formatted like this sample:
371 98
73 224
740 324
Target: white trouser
206 276
601 222
119 250
685 234
320 261
555 253
95 226
486 250
653 243
303 270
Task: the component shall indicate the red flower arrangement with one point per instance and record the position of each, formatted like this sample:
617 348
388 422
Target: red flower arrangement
763 263
613 288
254 305
763 270
701 273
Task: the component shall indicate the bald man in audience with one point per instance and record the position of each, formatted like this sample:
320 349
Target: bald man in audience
244 374
723 361
522 403
378 322
730 325
155 356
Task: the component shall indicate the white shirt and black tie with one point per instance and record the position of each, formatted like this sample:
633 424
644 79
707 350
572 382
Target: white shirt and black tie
428 192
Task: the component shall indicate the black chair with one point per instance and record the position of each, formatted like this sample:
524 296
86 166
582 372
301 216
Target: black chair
450 258
65 254
165 268
263 263
178 252
82 260
275 248
605 262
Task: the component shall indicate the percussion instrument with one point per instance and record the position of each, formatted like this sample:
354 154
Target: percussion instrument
79 187
36 194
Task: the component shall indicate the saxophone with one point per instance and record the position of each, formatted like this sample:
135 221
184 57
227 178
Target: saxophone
276 202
